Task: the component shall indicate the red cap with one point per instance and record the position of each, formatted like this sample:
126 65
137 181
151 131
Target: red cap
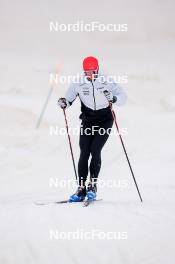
90 64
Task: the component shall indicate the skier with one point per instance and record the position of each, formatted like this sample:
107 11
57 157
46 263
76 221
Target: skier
96 93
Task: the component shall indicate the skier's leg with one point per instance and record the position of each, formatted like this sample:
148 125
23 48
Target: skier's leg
98 143
84 143
96 146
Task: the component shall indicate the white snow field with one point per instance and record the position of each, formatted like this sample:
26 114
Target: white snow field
30 158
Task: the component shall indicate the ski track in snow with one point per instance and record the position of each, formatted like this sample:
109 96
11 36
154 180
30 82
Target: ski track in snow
25 231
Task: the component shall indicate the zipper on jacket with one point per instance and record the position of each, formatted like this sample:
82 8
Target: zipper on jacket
94 96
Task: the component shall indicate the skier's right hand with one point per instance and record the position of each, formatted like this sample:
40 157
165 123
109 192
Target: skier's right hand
62 103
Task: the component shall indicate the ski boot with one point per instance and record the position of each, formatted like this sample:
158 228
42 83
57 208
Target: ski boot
79 196
91 192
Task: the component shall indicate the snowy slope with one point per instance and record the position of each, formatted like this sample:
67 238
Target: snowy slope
29 158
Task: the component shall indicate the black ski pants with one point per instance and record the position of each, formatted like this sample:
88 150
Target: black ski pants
92 139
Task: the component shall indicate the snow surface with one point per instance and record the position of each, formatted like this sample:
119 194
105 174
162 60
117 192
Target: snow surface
30 157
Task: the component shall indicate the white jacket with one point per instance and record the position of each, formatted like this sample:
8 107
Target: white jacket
91 94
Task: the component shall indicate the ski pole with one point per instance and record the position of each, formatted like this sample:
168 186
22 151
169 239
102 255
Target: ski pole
132 173
70 144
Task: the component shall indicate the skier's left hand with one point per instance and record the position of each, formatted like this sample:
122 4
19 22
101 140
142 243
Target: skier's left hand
109 96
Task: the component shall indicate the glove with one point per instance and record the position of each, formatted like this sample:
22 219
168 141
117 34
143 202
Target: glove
62 103
109 96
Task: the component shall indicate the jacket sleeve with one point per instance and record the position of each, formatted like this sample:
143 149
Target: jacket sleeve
119 93
71 94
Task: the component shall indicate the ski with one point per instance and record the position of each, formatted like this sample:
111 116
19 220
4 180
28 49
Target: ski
53 202
86 202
